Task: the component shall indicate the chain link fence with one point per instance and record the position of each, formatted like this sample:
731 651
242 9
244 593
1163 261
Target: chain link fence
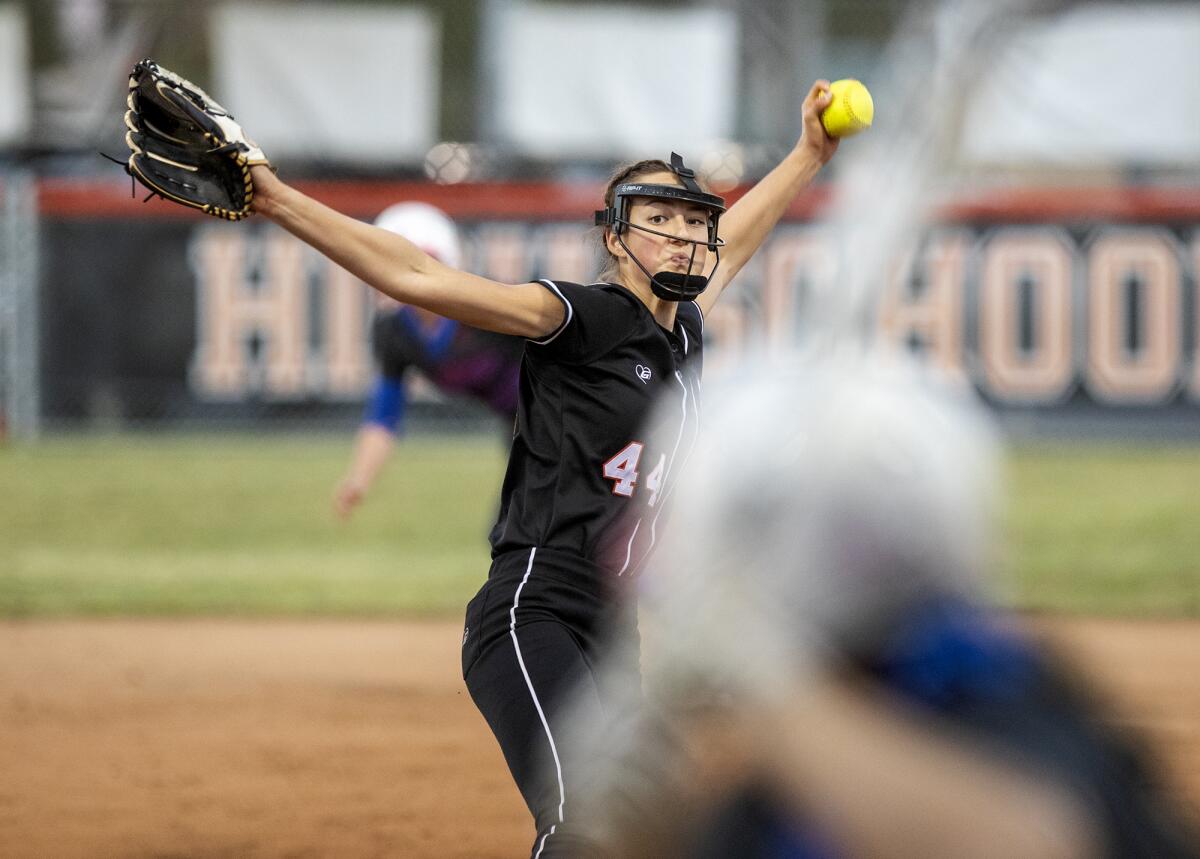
20 408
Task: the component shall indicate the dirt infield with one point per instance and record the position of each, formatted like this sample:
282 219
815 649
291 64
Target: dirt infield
313 739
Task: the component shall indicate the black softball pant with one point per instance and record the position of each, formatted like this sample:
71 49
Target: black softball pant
534 635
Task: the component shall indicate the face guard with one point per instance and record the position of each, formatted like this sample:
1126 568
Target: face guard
668 285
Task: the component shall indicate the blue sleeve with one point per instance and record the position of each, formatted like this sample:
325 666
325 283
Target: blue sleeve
387 404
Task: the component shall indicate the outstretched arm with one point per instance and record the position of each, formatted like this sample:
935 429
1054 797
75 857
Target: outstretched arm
396 267
374 442
750 220
372 447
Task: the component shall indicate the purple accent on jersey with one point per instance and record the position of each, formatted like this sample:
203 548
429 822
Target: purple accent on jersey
457 358
436 341
489 376
387 404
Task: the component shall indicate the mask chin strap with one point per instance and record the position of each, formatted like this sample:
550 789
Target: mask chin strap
673 285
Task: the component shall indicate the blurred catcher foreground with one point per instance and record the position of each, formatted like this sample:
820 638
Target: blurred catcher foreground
827 673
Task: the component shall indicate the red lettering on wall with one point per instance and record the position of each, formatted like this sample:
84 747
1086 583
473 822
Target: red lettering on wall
922 304
249 292
254 327
1134 299
345 360
1025 321
798 270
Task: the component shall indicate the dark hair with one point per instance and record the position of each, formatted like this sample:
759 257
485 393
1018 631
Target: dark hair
625 173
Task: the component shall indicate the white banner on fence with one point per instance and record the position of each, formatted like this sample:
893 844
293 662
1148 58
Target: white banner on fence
612 80
1103 85
330 81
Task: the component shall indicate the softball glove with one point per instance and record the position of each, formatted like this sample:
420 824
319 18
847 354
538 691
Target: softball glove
185 147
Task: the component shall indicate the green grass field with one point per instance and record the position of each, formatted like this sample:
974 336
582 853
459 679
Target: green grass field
1105 529
234 525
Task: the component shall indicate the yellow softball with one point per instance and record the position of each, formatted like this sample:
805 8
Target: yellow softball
851 110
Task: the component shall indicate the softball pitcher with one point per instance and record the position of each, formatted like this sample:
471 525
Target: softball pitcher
587 479
584 488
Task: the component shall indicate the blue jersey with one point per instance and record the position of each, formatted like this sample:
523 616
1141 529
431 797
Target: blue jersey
458 359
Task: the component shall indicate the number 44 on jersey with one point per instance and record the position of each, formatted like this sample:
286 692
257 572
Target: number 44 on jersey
622 469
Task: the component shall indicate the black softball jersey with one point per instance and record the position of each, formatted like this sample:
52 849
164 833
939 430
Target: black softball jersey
587 476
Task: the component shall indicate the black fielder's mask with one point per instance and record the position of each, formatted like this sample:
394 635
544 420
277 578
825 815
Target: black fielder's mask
668 285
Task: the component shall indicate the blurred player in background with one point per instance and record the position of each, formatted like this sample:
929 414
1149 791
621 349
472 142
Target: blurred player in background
458 359
581 495
827 671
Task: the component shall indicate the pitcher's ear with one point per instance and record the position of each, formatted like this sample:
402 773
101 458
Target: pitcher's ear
613 245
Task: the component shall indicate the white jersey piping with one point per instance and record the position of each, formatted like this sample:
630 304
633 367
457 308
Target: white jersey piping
512 631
